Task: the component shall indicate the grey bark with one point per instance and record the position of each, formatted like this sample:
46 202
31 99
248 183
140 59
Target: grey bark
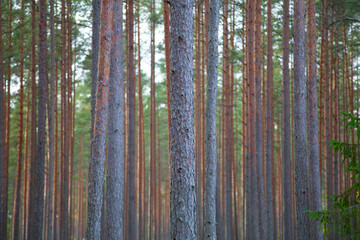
269 131
96 5
37 186
96 168
182 194
115 142
258 124
301 173
312 123
51 115
211 153
286 148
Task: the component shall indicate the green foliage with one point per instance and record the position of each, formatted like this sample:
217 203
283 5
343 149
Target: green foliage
343 216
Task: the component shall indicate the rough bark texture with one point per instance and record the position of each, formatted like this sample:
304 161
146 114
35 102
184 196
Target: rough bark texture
166 13
211 153
96 168
131 121
96 7
51 114
253 183
269 131
258 123
115 142
301 171
182 195
37 186
312 123
286 149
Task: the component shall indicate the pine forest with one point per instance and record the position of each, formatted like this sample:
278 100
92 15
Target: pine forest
179 119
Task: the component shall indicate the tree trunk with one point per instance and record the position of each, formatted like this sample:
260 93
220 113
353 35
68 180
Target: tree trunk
301 171
131 122
16 208
166 13
2 128
153 209
96 168
115 142
211 155
286 149
258 124
51 114
33 119
270 209
183 194
312 123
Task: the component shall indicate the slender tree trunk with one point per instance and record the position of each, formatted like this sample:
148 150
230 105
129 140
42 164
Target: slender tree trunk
5 161
166 13
96 168
301 172
312 123
153 209
258 123
33 119
115 142
271 231
16 208
286 150
96 7
131 123
183 196
2 128
211 156
50 219
141 142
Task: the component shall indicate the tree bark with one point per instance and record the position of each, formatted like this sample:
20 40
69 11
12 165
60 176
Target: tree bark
115 142
183 194
131 122
286 141
312 123
270 207
258 124
211 153
301 171
96 168
16 208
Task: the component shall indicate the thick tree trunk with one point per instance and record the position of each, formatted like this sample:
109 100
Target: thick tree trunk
183 196
286 148
115 142
96 168
312 122
211 153
301 170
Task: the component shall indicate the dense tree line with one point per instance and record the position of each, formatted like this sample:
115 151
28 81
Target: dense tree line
199 119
